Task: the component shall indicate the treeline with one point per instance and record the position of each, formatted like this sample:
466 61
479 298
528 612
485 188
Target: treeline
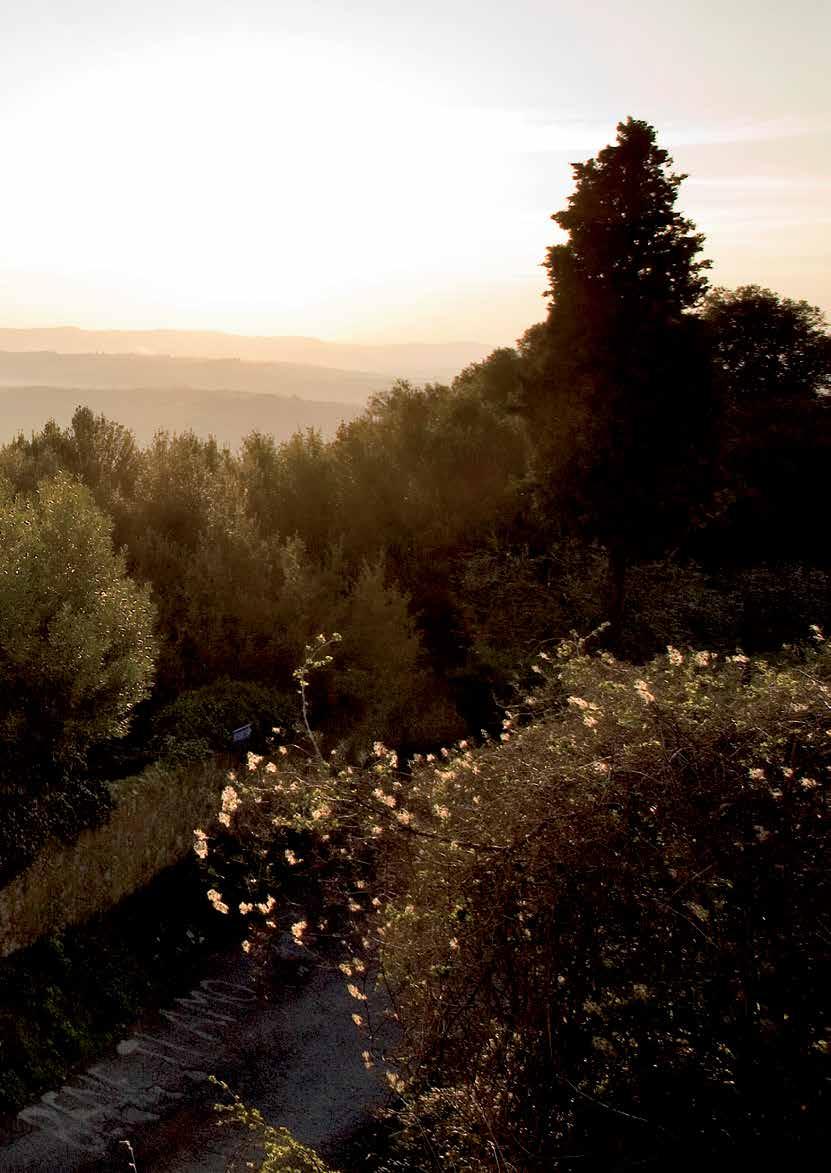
651 454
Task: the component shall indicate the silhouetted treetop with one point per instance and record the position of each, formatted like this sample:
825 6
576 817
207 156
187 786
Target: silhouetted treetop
628 244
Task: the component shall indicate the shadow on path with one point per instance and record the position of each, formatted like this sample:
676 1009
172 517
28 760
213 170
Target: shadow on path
295 1055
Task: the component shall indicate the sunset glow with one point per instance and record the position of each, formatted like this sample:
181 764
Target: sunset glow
331 175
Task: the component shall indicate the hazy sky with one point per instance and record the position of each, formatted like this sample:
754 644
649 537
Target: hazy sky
384 170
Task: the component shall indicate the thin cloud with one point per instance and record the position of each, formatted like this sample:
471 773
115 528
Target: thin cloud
761 183
763 130
533 132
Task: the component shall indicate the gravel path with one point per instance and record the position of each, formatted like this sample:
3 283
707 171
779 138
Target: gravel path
295 1055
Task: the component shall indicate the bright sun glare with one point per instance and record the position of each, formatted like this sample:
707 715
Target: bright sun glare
377 181
243 183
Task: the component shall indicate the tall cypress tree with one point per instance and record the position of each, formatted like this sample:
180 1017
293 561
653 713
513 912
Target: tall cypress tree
620 405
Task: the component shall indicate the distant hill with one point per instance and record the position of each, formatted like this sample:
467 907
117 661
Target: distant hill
225 385
226 414
125 371
420 362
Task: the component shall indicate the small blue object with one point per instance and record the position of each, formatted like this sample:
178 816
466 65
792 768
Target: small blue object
241 734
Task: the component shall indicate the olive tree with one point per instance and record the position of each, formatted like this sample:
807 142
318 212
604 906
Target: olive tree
77 646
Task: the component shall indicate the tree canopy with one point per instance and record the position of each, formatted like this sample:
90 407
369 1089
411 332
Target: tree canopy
76 634
768 347
630 252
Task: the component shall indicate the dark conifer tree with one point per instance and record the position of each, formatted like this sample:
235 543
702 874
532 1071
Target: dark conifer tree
619 400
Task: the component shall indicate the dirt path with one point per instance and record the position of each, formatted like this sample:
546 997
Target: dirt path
295 1055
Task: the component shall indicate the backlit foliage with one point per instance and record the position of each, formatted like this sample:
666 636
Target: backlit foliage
76 634
601 931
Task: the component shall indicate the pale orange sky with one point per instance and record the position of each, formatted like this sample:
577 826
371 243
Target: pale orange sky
383 171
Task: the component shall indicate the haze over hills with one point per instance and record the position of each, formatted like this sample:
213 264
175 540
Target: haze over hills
124 371
419 361
224 385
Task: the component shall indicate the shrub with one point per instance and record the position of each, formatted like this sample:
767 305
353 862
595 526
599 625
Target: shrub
615 945
199 722
277 1151
603 934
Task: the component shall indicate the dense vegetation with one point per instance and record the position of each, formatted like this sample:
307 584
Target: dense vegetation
603 932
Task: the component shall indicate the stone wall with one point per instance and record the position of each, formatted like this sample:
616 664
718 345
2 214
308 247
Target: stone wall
151 828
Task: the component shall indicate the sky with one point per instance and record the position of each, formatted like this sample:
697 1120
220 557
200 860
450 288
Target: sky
383 170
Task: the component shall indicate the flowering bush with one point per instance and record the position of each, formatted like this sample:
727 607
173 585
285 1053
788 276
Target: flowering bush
602 932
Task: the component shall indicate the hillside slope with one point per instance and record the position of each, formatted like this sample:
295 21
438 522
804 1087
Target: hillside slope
123 371
419 361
